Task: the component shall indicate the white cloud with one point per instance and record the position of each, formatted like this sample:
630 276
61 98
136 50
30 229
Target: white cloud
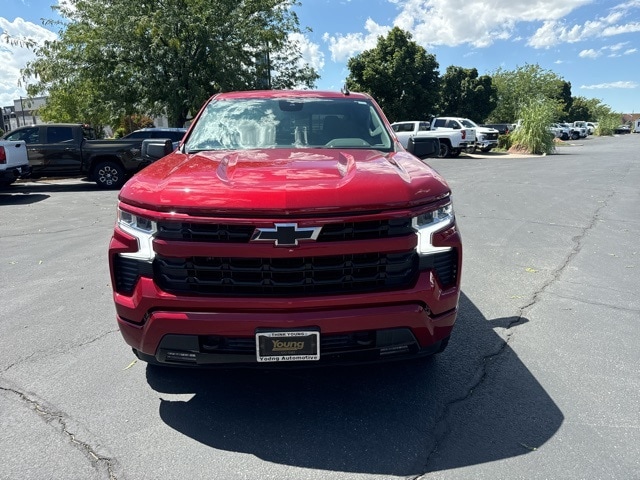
591 53
554 32
453 22
612 51
311 53
475 22
620 84
344 46
13 58
621 29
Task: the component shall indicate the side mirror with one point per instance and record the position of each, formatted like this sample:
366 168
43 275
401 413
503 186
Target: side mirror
155 148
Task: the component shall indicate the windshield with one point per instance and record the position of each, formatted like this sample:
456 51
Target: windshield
468 123
243 124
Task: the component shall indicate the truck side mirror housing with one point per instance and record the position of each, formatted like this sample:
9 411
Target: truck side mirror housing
424 147
155 148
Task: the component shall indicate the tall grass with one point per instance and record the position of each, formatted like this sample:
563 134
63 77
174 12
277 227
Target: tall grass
608 123
533 135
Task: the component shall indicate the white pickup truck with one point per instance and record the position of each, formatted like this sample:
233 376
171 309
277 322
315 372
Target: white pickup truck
452 142
14 162
485 138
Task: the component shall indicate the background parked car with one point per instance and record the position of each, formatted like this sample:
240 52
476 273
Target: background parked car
503 128
175 134
622 129
561 131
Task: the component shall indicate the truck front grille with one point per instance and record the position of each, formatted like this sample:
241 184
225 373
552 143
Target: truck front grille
338 274
334 232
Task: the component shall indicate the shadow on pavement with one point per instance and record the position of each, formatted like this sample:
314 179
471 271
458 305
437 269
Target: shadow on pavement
27 192
392 419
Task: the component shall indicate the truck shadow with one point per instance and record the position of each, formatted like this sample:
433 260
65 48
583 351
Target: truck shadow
34 191
404 418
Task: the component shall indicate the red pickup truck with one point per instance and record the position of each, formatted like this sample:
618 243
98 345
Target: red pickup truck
289 227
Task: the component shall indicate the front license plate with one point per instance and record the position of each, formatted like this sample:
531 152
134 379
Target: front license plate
290 346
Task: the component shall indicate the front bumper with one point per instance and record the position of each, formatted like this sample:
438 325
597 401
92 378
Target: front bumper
13 173
355 328
364 344
487 144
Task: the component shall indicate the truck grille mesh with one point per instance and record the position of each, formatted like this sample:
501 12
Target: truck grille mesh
334 232
286 276
344 274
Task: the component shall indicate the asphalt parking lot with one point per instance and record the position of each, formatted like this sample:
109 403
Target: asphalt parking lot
540 379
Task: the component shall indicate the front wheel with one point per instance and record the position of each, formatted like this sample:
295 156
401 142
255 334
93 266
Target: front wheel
486 149
445 150
575 136
109 175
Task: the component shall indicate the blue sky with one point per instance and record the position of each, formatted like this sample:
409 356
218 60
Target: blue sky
594 44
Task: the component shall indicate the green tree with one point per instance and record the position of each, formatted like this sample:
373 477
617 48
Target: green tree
167 57
17 40
464 94
74 103
587 109
565 100
399 74
520 87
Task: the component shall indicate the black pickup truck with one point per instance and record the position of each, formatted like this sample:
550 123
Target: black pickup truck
70 149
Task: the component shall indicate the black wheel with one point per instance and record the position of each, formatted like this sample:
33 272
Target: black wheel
575 136
455 152
445 150
486 149
109 175
565 136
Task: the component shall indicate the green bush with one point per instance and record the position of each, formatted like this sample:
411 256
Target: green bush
504 142
607 124
533 135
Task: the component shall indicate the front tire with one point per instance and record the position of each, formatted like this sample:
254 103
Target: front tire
109 175
445 150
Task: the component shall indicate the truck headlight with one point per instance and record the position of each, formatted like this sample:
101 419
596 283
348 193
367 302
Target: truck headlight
430 222
143 229
481 138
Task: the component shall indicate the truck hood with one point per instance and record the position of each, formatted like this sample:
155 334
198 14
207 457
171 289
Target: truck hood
487 130
282 181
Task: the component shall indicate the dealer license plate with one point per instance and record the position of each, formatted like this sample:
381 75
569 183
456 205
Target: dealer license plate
289 346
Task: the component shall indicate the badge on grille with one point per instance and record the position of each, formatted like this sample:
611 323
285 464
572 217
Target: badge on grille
285 234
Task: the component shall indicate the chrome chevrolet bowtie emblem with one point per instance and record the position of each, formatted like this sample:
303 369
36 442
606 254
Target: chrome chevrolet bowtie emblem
285 234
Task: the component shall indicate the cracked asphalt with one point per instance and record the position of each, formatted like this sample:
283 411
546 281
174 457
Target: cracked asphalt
540 379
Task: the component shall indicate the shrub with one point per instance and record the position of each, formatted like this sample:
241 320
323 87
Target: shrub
533 135
504 142
607 124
